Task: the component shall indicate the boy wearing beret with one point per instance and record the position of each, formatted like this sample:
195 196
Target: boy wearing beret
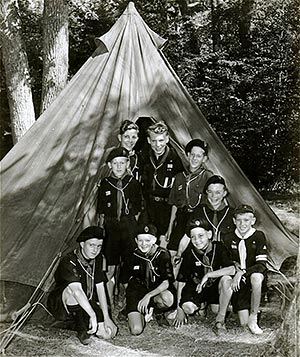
119 205
159 171
187 191
204 276
248 250
148 276
79 292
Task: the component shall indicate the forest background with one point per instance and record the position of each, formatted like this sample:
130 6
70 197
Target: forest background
239 60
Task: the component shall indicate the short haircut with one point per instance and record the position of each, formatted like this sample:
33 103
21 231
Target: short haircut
128 125
158 128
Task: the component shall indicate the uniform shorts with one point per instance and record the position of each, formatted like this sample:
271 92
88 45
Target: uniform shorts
159 215
120 239
57 308
208 294
137 290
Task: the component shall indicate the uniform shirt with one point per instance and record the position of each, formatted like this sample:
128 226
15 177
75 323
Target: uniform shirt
149 270
193 269
71 270
107 196
159 175
256 251
188 187
224 219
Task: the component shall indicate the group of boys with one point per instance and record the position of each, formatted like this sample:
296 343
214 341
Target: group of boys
168 236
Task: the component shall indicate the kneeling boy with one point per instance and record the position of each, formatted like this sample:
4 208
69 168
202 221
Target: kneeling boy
204 276
249 252
80 290
148 275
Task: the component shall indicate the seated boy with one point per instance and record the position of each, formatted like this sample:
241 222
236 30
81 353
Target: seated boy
80 290
248 250
204 275
148 275
119 205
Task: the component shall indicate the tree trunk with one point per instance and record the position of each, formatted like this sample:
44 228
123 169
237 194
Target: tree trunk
55 50
16 70
246 9
215 25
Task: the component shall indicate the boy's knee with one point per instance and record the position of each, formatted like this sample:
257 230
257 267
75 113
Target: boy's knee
256 279
136 330
189 308
165 299
225 281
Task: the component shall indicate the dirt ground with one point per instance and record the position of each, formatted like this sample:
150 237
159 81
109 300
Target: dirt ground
39 338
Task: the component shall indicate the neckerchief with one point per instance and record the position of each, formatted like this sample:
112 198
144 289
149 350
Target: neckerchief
242 246
161 160
89 267
150 274
216 223
189 178
121 198
207 264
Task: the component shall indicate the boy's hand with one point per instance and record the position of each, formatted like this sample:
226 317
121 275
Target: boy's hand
236 281
202 284
180 318
93 325
143 304
110 327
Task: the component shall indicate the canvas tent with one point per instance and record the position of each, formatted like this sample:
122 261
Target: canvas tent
49 179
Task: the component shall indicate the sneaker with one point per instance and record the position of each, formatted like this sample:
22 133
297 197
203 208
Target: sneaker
84 338
219 328
253 327
149 315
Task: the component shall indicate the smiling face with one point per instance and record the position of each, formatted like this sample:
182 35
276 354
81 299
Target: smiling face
216 192
128 139
119 165
244 222
91 247
145 242
158 142
196 158
200 238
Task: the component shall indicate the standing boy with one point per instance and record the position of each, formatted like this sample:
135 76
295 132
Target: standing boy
186 193
160 169
148 275
119 205
80 290
204 276
128 137
248 250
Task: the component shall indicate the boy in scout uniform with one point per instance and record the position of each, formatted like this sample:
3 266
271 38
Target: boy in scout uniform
205 276
248 250
79 291
160 169
119 205
148 276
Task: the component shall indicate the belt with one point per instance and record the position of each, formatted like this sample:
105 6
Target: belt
159 199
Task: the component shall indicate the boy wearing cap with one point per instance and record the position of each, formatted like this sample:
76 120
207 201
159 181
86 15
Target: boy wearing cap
160 169
214 209
186 193
248 250
79 292
119 205
149 278
204 275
